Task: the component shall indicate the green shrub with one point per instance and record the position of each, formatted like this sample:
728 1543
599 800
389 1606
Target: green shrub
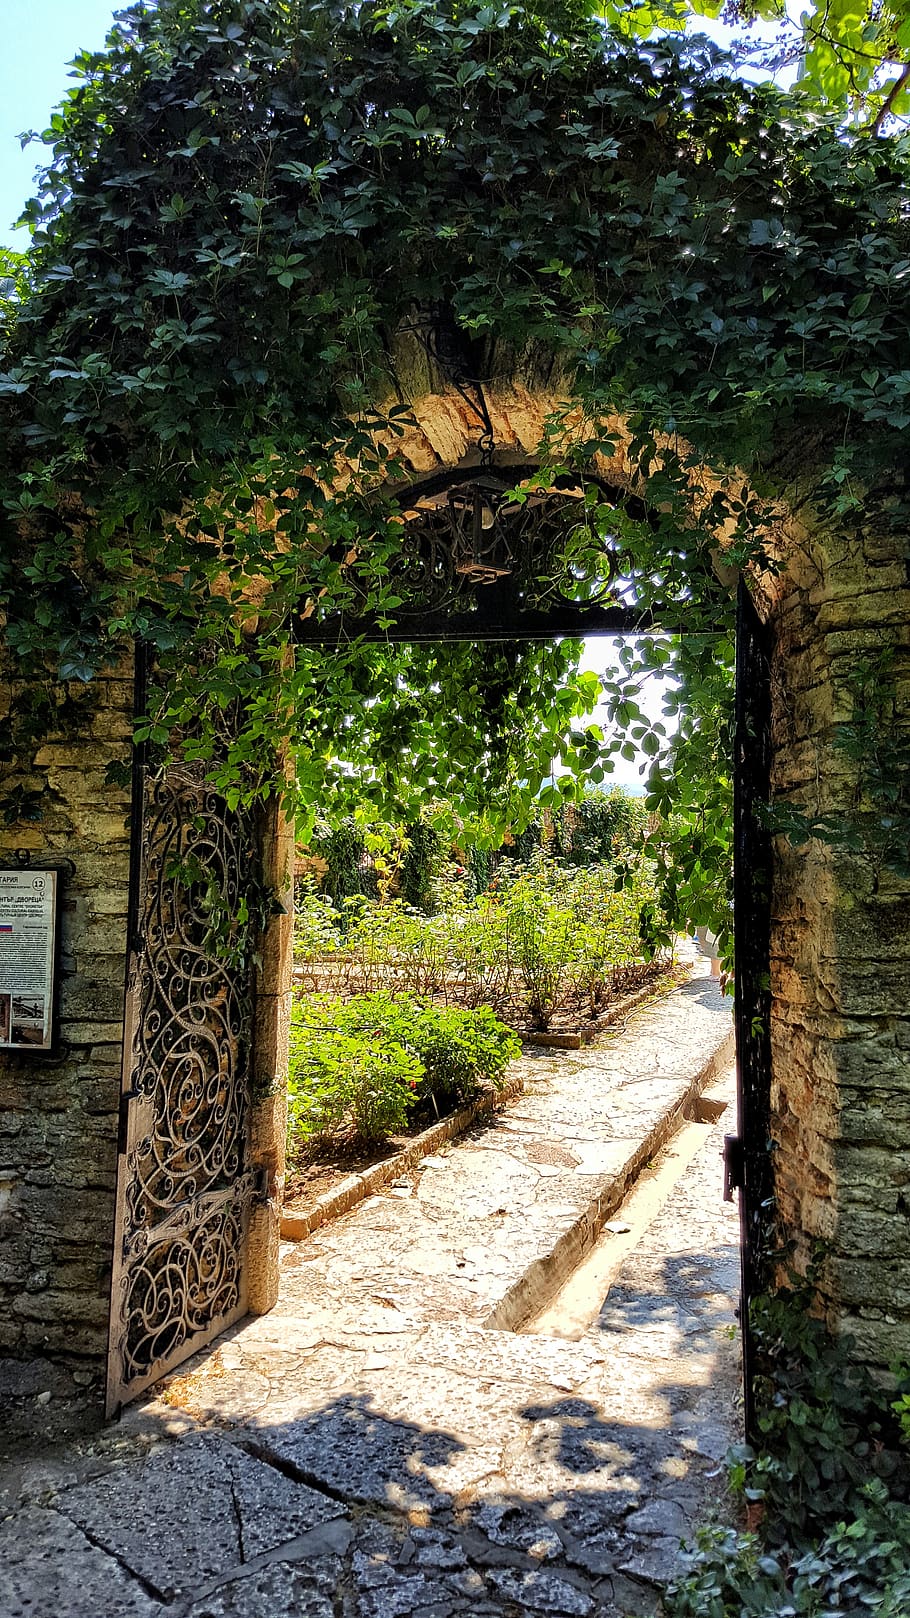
397 948
460 1050
544 939
825 1429
348 874
901 1405
359 1066
420 864
601 827
542 936
317 924
348 1083
861 1566
480 870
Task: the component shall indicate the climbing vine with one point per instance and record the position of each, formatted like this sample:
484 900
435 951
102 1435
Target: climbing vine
251 208
825 1484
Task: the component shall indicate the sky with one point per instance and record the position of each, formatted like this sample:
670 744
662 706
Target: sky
37 40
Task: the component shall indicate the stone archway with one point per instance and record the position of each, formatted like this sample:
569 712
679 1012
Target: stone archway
839 1033
839 1135
840 920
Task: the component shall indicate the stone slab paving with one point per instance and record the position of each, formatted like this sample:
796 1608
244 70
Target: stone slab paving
372 1449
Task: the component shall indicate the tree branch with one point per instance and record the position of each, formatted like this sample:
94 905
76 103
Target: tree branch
875 128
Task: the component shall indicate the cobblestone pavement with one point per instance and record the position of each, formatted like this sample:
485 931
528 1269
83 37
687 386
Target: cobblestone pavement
373 1449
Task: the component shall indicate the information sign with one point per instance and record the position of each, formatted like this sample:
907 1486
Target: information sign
28 928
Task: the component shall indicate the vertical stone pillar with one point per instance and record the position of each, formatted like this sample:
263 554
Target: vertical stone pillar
841 948
270 1057
58 1113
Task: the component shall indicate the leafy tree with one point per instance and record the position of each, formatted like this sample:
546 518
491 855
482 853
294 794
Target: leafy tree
853 55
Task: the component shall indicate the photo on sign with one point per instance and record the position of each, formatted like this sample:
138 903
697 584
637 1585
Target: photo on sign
28 1020
5 1017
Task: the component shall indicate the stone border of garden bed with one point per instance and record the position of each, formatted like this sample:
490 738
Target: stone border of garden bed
297 1224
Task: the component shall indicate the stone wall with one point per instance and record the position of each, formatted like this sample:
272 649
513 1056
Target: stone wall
58 1115
841 929
841 951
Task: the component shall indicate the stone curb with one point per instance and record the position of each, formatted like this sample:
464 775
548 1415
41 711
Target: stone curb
538 1285
295 1226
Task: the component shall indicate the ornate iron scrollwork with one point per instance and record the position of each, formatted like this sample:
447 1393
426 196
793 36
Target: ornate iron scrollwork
185 1182
465 530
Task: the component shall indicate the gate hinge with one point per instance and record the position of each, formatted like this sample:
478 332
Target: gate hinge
261 1184
734 1165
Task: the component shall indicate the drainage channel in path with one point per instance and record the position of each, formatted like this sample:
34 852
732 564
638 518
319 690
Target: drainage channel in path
579 1301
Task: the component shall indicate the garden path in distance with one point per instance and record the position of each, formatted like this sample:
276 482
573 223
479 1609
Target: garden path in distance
375 1448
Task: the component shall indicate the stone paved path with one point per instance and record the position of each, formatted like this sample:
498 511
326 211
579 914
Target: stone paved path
373 1449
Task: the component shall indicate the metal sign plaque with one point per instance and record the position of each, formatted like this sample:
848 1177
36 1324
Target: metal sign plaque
28 931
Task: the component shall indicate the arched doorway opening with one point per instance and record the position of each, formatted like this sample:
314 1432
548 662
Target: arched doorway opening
486 556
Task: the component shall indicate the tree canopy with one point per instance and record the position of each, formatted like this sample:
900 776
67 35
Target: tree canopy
248 201
852 56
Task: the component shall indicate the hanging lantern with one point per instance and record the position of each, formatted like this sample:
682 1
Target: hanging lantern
479 515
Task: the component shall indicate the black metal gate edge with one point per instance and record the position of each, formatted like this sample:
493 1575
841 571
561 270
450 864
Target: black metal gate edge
752 1169
141 665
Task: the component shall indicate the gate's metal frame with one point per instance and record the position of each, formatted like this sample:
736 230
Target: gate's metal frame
749 1166
185 1183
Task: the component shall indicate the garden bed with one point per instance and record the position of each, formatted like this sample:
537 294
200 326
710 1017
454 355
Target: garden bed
337 1174
569 1027
571 1030
404 1025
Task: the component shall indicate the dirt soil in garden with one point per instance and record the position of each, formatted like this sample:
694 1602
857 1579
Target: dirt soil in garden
572 1017
310 1178
327 1163
576 1018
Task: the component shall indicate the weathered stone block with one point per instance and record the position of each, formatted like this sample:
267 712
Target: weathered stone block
878 1167
878 1339
882 1280
83 996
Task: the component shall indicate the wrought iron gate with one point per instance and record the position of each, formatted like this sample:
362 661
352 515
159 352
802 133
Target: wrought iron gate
185 1184
748 1154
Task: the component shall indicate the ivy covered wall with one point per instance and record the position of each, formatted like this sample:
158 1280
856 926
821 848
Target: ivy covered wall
841 927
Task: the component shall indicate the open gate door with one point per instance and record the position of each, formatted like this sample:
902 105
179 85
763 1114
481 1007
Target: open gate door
748 1153
185 1185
